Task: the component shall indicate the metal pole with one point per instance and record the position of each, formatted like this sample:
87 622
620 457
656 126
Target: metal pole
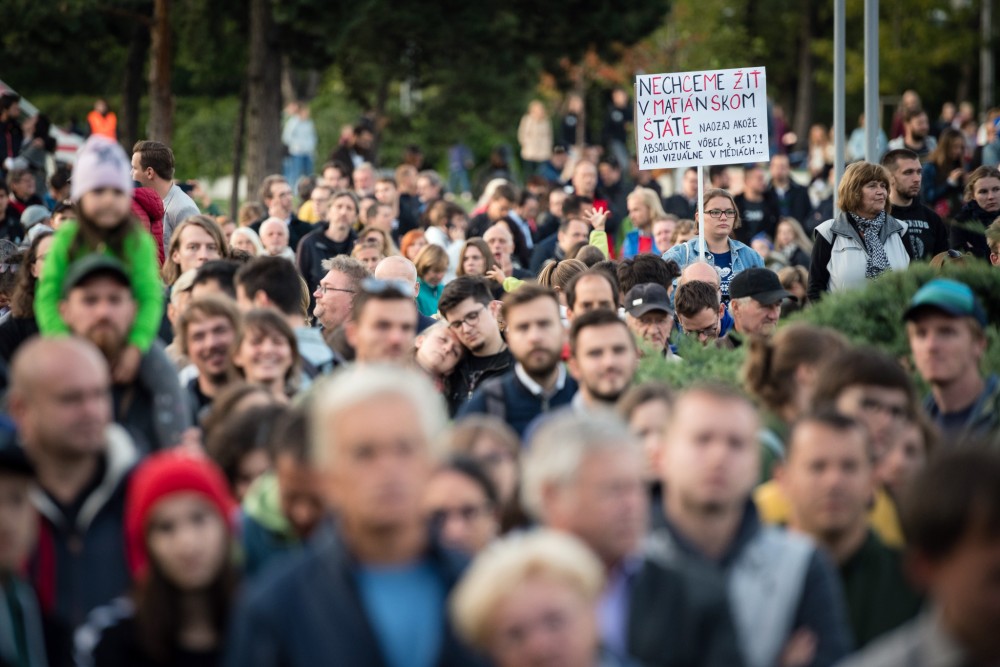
701 214
986 65
872 120
839 112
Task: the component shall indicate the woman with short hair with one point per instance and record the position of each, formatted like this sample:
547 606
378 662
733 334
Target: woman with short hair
863 241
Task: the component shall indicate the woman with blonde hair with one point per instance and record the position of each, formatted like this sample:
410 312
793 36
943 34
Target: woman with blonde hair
863 241
374 236
791 244
643 208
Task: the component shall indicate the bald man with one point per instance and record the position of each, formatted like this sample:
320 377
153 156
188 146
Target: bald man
703 272
60 399
501 242
397 267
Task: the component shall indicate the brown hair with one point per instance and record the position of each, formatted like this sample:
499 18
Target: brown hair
266 321
852 184
861 366
768 373
683 228
993 236
712 193
156 155
639 395
693 297
557 273
595 318
210 305
225 406
480 244
793 275
171 270
526 293
388 247
431 258
22 301
939 156
977 175
264 192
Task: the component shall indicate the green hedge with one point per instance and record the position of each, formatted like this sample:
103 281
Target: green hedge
873 316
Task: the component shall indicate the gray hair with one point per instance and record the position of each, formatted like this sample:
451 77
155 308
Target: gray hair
557 450
349 266
355 385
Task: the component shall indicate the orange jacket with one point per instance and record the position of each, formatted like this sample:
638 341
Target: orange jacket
105 125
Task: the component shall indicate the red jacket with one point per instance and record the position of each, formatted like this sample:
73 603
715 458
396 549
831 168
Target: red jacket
148 207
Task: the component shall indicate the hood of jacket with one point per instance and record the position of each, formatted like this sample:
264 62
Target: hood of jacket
262 503
146 203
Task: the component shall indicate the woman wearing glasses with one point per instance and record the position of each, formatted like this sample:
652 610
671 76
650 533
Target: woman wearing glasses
863 241
726 254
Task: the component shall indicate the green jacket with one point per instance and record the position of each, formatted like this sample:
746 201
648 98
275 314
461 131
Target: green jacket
265 531
140 261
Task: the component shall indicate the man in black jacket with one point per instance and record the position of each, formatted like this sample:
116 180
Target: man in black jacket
660 611
759 209
926 234
372 591
792 198
276 194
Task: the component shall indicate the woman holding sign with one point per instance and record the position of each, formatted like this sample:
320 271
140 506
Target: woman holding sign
863 241
726 254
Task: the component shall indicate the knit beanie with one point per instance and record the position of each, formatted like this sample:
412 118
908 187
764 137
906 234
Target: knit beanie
101 163
157 478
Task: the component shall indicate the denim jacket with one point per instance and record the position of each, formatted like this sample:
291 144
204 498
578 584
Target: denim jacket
743 256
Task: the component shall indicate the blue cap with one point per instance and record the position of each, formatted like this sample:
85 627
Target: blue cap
949 296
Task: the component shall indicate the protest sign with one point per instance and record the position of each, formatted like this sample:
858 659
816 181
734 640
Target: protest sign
701 118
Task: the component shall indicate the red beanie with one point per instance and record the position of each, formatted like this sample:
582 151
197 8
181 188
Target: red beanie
160 476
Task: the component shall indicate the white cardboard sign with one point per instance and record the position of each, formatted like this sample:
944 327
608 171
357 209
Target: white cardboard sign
701 118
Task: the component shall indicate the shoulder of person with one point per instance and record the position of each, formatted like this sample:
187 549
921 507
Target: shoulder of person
109 628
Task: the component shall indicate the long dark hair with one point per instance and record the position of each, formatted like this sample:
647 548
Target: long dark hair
22 302
90 237
158 613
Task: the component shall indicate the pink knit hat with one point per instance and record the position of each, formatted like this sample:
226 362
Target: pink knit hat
101 163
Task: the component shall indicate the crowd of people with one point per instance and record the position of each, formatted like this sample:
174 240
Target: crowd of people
366 423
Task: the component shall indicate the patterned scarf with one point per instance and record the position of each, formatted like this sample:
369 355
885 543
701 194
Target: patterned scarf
878 261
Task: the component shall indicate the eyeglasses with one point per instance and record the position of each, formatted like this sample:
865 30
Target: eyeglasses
379 286
719 213
707 332
323 289
471 319
872 405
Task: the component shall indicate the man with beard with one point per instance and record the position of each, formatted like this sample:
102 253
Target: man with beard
207 331
829 477
916 134
925 232
539 381
98 304
603 359
783 593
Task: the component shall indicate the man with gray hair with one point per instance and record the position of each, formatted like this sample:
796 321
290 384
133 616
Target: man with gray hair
584 475
372 590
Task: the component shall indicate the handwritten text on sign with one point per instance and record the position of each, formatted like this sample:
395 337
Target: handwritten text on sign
701 118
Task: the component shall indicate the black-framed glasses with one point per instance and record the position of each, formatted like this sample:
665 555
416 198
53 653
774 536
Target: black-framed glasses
380 286
707 332
323 289
718 213
471 319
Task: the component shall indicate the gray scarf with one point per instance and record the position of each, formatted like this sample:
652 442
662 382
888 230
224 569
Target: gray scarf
877 260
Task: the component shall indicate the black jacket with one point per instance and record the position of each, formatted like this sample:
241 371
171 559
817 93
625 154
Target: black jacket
679 205
966 236
679 614
771 212
545 250
307 611
795 203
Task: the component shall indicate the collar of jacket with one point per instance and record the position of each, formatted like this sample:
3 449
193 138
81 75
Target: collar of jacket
842 226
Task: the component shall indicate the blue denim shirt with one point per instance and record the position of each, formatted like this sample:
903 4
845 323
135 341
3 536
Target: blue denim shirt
744 257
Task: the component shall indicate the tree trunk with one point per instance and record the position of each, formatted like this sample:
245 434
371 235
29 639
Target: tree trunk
238 142
161 99
264 150
132 85
804 95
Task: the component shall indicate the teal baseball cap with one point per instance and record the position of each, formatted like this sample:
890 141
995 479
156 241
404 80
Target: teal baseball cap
949 296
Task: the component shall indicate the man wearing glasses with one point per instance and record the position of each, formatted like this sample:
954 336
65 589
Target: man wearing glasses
699 312
468 306
336 291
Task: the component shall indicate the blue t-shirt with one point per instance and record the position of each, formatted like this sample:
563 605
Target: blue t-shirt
724 265
406 607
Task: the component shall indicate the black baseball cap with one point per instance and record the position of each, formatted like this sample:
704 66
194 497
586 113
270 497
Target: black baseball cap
760 284
646 298
90 265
